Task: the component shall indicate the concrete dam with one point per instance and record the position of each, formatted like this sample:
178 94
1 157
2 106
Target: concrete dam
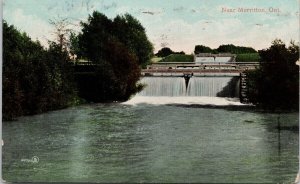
210 75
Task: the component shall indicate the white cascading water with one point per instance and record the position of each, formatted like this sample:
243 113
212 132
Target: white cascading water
200 91
211 86
163 86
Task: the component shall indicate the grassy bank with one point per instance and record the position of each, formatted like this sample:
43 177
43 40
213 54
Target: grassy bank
178 58
249 57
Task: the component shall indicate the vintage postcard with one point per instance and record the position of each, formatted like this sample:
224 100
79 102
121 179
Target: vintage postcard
160 91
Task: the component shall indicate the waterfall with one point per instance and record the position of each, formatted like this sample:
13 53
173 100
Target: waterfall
213 86
199 91
163 86
197 86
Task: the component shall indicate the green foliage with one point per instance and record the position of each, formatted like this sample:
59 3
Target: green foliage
229 48
249 57
34 79
276 83
61 87
235 49
164 52
74 43
178 58
94 37
129 31
116 48
99 29
202 49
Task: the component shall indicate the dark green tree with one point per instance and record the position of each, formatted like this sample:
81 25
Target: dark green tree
132 34
276 84
202 49
164 52
230 48
74 44
181 52
12 95
96 33
60 87
34 79
116 63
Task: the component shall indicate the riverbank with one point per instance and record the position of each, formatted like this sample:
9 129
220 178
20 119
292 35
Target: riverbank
232 104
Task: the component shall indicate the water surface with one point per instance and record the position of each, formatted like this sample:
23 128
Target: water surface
151 143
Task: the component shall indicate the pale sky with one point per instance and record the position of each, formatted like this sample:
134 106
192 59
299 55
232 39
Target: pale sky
178 24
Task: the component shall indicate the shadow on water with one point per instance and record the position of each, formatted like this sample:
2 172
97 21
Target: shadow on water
225 107
279 125
231 89
245 107
289 128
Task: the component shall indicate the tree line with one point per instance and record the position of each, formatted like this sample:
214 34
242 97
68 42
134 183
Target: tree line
229 48
166 51
38 79
35 79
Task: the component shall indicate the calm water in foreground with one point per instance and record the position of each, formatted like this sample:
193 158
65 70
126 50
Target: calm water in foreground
151 143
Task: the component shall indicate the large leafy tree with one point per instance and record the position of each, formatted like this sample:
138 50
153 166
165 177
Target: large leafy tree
126 29
276 83
115 55
96 33
132 34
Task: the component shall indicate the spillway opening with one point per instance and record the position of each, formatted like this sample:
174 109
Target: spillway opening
213 86
163 86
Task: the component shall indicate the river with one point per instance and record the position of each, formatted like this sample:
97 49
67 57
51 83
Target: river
152 142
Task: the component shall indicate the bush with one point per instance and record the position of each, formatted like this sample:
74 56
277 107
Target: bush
35 80
276 84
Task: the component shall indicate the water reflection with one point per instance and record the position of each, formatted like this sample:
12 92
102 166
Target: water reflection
148 143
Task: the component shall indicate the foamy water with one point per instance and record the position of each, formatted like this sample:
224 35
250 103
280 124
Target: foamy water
185 100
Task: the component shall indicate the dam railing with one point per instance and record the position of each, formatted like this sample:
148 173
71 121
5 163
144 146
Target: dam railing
199 68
